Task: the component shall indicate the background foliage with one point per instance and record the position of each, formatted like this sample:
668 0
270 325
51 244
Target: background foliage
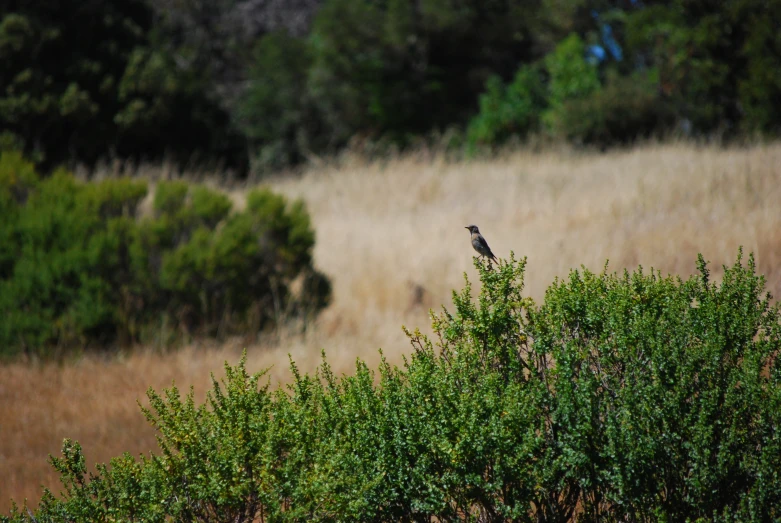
273 83
81 266
620 397
97 82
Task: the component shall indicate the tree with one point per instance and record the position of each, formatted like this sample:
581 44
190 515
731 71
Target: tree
82 83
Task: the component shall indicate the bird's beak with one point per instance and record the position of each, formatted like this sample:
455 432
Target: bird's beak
466 227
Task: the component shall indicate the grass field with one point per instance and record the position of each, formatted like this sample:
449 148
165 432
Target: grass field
391 236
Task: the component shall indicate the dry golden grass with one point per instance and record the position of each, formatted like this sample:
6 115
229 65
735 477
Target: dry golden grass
391 235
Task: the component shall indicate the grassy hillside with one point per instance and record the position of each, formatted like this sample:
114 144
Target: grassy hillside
391 237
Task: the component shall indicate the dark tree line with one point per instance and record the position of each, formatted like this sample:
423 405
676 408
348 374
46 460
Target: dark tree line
84 81
270 82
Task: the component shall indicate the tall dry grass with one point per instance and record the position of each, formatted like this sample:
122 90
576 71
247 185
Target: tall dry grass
391 236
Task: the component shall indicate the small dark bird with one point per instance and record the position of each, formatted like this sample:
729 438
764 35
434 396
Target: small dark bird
479 243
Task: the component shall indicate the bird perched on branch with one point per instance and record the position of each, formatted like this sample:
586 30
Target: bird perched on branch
479 243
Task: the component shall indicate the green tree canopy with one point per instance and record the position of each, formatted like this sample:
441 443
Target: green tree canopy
83 82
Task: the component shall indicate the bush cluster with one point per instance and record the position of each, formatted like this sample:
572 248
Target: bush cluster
566 97
79 265
630 397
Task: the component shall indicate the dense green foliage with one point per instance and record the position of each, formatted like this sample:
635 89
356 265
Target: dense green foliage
506 111
630 397
588 71
697 68
380 71
87 82
718 62
274 83
80 265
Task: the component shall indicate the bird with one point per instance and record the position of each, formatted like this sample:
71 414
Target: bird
479 243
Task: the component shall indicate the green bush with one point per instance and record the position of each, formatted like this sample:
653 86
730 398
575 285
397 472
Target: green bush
67 255
572 103
625 109
169 198
630 397
571 77
512 110
17 179
79 266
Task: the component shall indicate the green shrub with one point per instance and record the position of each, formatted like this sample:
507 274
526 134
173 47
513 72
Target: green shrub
169 197
512 110
249 262
571 77
17 179
630 397
625 109
208 206
666 391
66 261
288 226
78 266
